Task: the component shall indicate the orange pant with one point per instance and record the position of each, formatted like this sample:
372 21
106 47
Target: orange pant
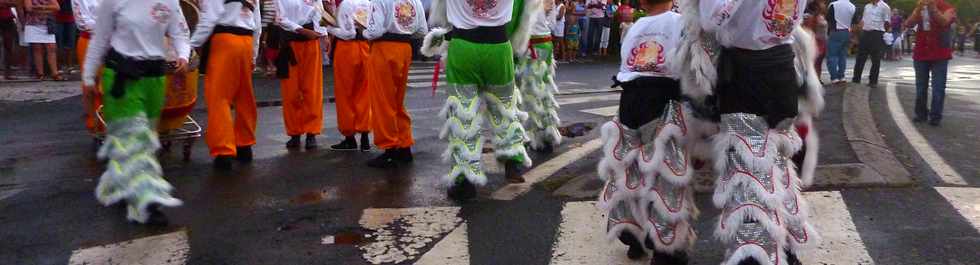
350 90
302 92
228 83
91 100
388 73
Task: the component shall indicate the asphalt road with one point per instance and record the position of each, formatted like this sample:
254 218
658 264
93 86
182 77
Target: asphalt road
326 207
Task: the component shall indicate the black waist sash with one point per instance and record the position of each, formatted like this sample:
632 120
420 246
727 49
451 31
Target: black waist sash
734 58
206 49
407 38
286 55
131 69
482 35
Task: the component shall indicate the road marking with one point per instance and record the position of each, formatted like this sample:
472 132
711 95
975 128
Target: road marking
582 238
169 248
577 100
841 242
966 201
425 77
421 70
945 172
399 234
545 170
427 84
453 249
603 111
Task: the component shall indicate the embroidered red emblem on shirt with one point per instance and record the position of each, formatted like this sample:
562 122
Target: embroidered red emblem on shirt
404 14
647 57
482 8
160 13
781 16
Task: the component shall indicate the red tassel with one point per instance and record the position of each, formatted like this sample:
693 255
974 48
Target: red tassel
435 77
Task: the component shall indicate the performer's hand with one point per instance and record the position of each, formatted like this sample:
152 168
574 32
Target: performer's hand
180 66
309 34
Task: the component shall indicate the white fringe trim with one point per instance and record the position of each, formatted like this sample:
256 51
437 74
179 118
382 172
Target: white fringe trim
430 46
805 48
809 167
684 237
756 252
655 164
728 225
522 35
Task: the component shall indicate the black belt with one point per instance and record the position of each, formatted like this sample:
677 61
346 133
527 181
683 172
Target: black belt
128 69
286 56
482 35
206 49
407 38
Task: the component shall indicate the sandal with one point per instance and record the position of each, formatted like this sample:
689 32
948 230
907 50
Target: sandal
59 78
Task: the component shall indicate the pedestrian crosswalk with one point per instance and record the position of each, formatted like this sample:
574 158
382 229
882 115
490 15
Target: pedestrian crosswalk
420 75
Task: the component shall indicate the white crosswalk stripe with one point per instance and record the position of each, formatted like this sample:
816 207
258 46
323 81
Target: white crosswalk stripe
420 75
163 249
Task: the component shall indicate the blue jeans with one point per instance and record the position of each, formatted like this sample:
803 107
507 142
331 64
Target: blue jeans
837 53
583 44
922 71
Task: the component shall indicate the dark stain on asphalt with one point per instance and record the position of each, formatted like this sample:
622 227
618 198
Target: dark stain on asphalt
309 197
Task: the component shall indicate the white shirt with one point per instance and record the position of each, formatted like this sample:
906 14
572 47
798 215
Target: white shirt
217 12
649 47
398 17
752 24
465 14
291 15
85 13
843 13
136 29
876 16
544 22
350 14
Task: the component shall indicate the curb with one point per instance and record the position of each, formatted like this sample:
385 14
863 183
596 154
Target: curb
866 141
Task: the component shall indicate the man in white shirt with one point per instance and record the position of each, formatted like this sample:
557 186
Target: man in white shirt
647 197
350 76
131 41
764 89
535 79
486 35
84 11
393 26
235 27
874 23
839 19
299 67
595 11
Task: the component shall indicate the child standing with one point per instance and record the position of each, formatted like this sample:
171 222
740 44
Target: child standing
571 39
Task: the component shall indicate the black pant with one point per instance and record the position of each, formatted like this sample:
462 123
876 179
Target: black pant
644 99
762 82
873 44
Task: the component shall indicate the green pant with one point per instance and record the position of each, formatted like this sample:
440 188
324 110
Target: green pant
535 80
132 173
481 74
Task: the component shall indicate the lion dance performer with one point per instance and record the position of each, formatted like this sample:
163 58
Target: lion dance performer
394 24
129 40
483 38
299 66
235 27
350 76
535 79
646 169
84 11
765 93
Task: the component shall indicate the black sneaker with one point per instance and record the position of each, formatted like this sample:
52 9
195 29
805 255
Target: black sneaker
222 162
462 191
934 122
244 154
348 144
157 218
512 172
404 155
293 142
547 149
791 258
365 142
385 160
635 250
919 119
311 141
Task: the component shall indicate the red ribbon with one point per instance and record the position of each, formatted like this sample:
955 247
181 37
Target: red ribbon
435 77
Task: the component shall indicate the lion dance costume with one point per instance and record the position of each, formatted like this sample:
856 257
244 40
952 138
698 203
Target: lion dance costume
483 37
754 78
536 81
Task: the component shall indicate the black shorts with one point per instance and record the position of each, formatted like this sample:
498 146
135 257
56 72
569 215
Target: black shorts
762 82
644 99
